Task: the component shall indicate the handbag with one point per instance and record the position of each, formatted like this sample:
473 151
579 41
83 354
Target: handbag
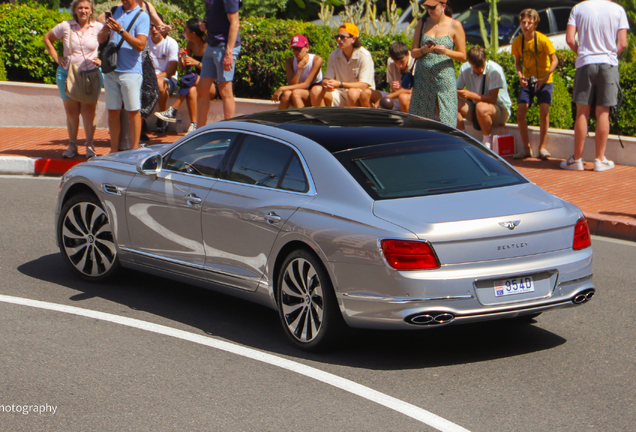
81 86
110 54
149 85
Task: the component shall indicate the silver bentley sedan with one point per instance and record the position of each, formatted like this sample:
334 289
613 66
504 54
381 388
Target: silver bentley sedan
336 218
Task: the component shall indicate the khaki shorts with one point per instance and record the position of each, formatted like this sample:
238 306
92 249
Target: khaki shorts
499 119
339 98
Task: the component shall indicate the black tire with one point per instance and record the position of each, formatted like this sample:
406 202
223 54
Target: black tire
86 239
307 305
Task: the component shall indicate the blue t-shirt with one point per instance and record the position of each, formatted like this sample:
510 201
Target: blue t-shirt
129 59
216 12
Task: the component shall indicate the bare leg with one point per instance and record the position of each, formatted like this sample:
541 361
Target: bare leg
285 100
227 94
203 100
88 118
462 112
72 109
299 98
602 130
318 94
135 127
522 111
191 102
544 114
114 127
162 102
580 129
405 102
484 113
354 97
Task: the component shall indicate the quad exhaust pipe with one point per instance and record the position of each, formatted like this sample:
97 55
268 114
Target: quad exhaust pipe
430 318
584 296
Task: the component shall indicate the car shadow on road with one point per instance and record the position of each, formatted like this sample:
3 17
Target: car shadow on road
180 306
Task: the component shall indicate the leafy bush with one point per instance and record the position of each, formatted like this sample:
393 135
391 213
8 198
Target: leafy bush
3 73
22 29
625 124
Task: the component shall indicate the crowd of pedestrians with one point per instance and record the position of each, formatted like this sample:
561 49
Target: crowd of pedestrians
421 80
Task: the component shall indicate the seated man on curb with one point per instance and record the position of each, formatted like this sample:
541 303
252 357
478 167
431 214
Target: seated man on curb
303 72
164 52
399 63
350 70
536 53
486 89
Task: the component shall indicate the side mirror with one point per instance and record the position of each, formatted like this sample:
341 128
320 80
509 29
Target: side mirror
150 165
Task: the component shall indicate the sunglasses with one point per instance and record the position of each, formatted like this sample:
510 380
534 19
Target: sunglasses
297 48
341 37
430 8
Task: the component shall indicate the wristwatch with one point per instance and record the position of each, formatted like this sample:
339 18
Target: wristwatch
120 32
341 84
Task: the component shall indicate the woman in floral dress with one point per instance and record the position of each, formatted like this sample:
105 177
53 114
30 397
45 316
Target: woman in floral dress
439 40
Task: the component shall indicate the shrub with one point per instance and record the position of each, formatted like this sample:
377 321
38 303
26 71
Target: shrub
3 73
625 124
22 29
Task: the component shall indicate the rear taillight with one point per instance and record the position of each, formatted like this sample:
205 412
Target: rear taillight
409 255
582 237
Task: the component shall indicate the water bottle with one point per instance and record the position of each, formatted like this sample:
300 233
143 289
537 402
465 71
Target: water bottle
179 124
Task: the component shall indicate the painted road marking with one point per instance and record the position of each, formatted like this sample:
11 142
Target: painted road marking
365 392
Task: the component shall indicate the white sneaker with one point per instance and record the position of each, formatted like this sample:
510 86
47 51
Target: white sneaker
90 150
605 165
571 164
487 145
71 151
169 115
193 127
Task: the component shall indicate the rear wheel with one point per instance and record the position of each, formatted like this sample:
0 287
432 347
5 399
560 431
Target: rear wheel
307 304
86 238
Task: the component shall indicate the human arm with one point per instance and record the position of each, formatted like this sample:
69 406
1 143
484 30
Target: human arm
416 50
156 20
235 25
554 62
136 42
171 69
49 40
570 38
621 40
490 98
459 39
522 79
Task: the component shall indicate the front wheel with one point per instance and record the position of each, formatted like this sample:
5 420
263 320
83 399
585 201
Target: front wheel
86 238
307 304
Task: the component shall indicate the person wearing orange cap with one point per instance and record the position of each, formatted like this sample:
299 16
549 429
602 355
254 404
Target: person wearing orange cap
439 40
303 72
350 70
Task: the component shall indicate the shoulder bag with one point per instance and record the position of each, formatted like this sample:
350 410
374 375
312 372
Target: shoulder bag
81 86
149 85
110 54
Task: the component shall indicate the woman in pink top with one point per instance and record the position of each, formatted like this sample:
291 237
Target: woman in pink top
82 30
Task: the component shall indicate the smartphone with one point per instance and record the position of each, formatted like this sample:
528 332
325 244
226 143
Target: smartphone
108 14
430 44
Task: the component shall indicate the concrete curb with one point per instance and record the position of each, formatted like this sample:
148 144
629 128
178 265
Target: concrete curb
599 224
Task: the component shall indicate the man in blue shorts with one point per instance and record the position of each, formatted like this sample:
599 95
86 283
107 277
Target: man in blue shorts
124 83
535 60
219 60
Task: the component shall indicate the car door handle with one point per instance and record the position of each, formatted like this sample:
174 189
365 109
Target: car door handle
272 218
192 199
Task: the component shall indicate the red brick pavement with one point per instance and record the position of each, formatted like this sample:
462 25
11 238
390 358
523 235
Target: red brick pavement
608 198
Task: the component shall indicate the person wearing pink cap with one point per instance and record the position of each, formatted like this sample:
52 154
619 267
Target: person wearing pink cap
350 70
303 72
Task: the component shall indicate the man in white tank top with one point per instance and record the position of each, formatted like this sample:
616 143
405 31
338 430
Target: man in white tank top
303 72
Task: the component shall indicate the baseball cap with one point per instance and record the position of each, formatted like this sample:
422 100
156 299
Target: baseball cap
351 29
299 41
432 3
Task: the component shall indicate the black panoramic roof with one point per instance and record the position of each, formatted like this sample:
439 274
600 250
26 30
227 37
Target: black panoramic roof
338 129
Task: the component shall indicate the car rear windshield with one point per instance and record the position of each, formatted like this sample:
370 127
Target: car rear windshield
427 167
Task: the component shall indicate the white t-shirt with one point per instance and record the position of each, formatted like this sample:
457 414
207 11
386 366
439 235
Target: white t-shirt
597 24
162 53
495 79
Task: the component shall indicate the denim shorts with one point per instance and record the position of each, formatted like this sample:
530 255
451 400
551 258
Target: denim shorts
544 95
212 63
123 86
60 80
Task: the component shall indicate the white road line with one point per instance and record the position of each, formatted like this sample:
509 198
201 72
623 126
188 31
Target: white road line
390 402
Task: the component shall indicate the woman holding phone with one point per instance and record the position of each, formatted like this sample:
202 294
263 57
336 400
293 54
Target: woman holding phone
439 40
82 31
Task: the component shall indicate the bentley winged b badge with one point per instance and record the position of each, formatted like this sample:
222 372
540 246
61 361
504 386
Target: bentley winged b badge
510 224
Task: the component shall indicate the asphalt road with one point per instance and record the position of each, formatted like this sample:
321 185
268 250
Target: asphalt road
571 370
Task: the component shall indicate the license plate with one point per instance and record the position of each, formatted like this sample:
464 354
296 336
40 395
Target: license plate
518 285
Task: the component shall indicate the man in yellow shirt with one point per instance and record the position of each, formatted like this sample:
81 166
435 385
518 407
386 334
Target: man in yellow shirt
535 60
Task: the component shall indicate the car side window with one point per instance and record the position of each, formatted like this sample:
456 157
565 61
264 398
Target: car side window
202 155
263 162
544 22
561 16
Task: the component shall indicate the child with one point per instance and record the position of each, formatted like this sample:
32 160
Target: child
399 62
303 72
537 54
